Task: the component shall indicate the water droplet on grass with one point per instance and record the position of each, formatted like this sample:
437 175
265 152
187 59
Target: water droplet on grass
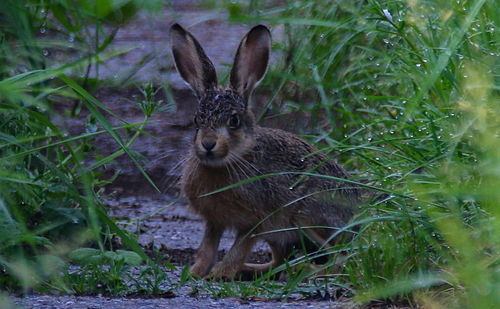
387 14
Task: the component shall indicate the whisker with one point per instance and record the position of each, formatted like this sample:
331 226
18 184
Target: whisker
238 164
172 176
234 165
228 169
247 166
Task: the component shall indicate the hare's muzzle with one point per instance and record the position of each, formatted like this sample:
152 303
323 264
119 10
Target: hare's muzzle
211 148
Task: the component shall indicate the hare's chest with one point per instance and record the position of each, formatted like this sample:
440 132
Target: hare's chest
201 182
226 207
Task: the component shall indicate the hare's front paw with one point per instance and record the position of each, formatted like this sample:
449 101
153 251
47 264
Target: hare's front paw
223 271
199 269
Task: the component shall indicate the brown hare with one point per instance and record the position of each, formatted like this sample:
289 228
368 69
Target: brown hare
229 147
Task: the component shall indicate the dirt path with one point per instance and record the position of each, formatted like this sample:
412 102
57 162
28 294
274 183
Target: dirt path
85 302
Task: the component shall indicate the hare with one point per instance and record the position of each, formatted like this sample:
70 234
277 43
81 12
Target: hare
229 147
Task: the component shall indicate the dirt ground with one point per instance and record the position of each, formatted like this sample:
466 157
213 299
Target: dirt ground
87 302
167 223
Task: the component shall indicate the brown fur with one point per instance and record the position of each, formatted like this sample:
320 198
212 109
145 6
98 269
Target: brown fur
239 152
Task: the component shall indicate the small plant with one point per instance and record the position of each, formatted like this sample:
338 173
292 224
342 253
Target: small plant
153 279
104 277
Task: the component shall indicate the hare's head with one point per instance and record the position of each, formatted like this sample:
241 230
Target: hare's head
224 123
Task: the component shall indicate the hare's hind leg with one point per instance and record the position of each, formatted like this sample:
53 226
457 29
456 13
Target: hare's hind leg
317 238
207 252
234 260
320 269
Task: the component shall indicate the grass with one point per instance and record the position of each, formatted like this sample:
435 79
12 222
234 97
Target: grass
50 200
403 93
406 94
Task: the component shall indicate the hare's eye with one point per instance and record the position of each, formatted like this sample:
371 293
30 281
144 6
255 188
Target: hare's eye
234 121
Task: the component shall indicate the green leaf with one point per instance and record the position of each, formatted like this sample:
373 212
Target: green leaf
85 256
110 255
130 257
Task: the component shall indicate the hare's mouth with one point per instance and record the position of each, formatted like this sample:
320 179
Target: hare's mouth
212 158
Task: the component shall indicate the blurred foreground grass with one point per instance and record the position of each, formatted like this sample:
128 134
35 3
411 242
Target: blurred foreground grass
404 93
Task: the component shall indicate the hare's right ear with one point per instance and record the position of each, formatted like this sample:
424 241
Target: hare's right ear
250 62
191 61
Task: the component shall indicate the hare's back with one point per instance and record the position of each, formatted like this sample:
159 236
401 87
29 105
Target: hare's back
280 151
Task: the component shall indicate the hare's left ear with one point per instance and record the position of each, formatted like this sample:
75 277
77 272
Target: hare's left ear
251 60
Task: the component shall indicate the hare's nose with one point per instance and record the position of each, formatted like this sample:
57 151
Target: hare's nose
208 144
